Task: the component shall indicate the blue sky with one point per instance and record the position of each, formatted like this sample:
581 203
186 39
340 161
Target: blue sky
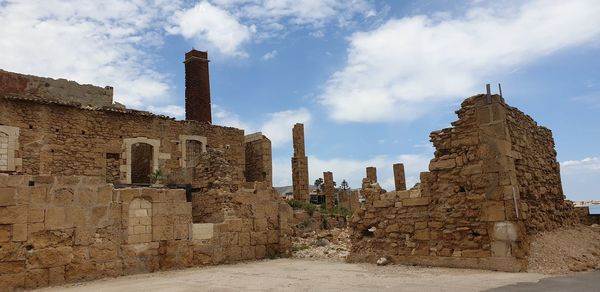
370 79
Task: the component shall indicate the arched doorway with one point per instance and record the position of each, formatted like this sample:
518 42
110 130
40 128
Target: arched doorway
141 163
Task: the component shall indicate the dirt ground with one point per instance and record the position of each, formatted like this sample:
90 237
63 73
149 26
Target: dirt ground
561 251
307 275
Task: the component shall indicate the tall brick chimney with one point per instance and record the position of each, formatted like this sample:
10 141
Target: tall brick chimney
197 87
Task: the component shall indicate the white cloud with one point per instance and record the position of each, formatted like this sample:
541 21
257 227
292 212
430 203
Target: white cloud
175 111
580 178
223 117
270 55
278 126
353 170
93 42
206 24
307 12
403 68
588 164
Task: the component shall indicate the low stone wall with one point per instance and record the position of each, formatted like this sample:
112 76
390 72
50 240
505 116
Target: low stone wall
56 230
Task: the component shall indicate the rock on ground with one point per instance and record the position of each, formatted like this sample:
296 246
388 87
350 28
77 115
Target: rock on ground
333 244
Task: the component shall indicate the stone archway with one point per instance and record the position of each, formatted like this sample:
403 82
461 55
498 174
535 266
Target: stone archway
141 163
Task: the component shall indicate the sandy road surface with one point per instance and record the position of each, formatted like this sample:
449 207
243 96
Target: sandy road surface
306 275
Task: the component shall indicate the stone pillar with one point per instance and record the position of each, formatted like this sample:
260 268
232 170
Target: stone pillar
197 87
328 189
259 160
299 165
372 174
399 177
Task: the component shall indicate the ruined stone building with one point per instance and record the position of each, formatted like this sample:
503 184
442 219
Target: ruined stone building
74 174
493 183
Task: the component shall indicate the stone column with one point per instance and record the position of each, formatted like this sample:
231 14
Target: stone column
399 177
328 189
372 174
299 165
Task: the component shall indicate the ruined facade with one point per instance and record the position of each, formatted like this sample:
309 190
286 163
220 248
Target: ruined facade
75 201
493 182
299 165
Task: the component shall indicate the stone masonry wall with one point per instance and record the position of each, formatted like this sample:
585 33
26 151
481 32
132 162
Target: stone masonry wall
55 89
463 213
56 230
538 175
259 161
67 140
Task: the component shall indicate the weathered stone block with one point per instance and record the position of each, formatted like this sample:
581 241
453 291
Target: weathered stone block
505 231
181 231
36 278
442 164
422 234
202 231
234 225
56 218
12 282
12 267
35 215
475 253
13 215
19 232
50 257
103 252
244 238
7 196
248 252
500 249
492 211
416 202
260 251
260 224
383 204
258 238
56 276
162 232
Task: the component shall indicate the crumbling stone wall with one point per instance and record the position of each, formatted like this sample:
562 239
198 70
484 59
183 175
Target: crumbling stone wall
475 207
538 174
56 230
60 139
259 160
55 89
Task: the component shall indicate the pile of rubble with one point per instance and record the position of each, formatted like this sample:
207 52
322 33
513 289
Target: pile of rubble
332 244
565 250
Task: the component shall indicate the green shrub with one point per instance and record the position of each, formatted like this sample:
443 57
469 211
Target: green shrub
308 207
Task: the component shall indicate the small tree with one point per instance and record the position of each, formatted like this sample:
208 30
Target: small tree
344 187
319 184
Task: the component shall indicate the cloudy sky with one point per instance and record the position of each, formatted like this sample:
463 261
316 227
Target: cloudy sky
370 79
